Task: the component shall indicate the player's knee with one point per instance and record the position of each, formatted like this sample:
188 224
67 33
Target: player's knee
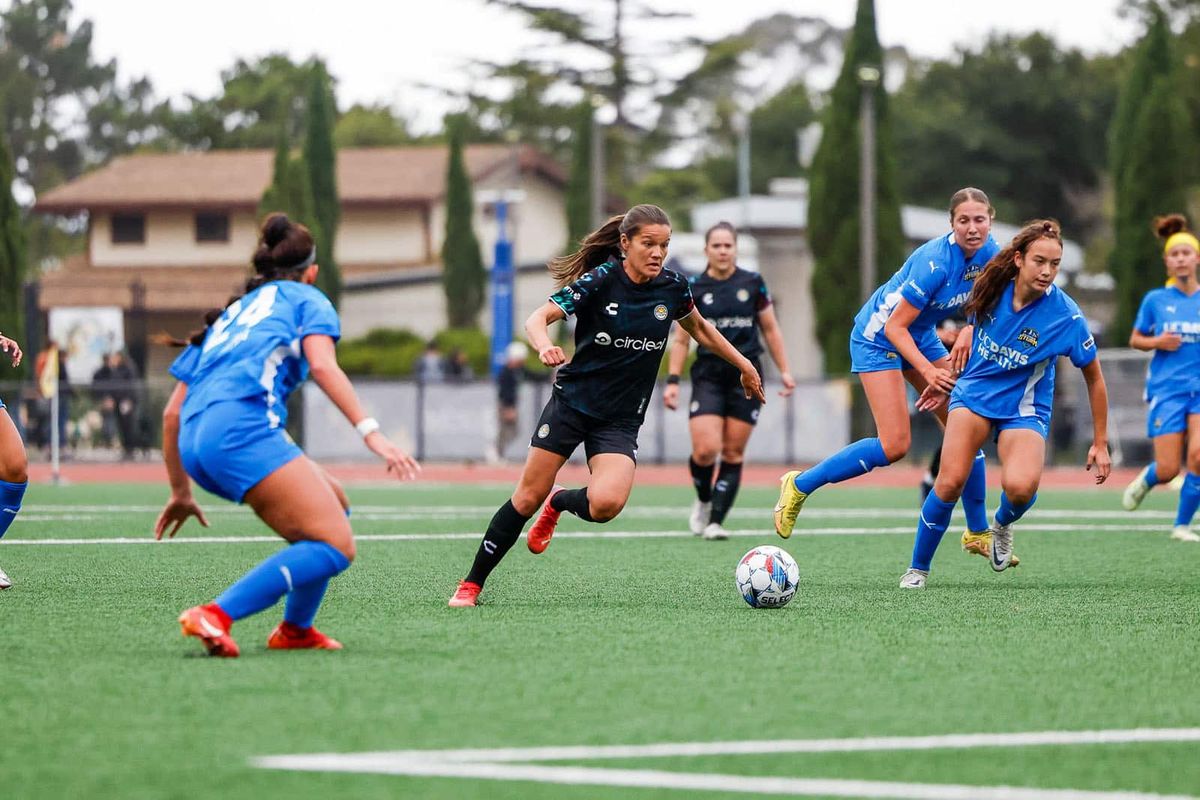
1193 462
1020 492
15 469
603 508
948 486
896 446
731 455
527 501
704 454
1166 471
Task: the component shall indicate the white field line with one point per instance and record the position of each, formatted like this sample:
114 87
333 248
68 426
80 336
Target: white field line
750 533
496 765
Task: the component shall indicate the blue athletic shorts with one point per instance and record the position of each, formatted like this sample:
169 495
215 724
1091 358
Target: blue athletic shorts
867 356
1169 414
230 446
1001 424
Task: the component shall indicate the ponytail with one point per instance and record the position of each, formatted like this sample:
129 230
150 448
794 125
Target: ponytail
1002 269
598 246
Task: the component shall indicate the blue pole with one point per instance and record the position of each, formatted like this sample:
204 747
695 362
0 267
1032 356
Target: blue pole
502 289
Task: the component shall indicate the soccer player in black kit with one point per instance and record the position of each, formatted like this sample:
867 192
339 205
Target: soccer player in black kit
624 303
720 416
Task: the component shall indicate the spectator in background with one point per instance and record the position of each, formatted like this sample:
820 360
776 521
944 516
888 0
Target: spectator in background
115 385
508 382
430 367
458 367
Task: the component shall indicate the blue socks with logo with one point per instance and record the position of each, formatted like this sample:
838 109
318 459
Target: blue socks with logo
10 503
856 458
307 566
1189 499
974 496
935 518
1008 513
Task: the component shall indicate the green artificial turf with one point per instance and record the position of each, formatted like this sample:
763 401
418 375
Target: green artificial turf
596 642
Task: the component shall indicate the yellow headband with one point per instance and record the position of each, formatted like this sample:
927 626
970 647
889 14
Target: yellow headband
1183 237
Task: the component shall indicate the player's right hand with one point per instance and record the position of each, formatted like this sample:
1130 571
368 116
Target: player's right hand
960 352
671 396
932 399
12 348
398 461
752 386
174 514
941 379
552 356
1169 342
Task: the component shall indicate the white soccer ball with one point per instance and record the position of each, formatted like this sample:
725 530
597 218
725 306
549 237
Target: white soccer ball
767 577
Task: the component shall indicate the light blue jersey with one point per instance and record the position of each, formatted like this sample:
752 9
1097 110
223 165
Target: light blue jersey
1010 373
936 279
253 349
1169 310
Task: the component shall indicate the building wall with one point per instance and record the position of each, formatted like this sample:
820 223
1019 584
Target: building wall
171 241
381 235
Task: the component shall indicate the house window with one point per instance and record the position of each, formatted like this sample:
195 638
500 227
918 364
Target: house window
212 226
128 228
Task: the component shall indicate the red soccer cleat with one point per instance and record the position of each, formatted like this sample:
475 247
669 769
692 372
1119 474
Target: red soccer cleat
292 637
466 596
538 538
211 626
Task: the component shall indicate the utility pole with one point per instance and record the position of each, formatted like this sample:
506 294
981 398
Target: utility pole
598 167
868 82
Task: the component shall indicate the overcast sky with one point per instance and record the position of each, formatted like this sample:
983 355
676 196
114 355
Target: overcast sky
379 50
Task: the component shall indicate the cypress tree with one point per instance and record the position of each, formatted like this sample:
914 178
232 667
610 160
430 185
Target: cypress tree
463 276
579 183
12 253
320 158
833 209
290 190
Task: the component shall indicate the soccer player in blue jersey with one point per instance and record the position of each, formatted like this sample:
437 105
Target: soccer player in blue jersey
13 462
720 416
1168 322
1022 324
224 427
895 340
624 302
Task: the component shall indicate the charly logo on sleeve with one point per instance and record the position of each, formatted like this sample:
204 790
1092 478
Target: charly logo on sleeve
707 298
660 312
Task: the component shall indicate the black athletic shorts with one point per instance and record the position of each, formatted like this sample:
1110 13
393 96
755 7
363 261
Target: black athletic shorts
718 390
561 428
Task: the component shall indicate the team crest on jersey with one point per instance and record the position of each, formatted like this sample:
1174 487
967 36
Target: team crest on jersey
1028 336
660 312
743 295
973 271
544 431
707 298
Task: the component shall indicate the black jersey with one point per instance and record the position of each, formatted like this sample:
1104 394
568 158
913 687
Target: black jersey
621 333
732 306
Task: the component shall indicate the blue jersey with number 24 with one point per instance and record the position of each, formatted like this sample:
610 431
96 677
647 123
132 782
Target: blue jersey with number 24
253 349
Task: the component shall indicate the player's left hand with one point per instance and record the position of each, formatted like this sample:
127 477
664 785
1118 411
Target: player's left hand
174 514
752 385
932 399
1098 457
12 348
398 461
962 349
789 384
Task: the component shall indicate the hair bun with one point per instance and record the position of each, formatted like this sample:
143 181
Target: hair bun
275 229
1170 224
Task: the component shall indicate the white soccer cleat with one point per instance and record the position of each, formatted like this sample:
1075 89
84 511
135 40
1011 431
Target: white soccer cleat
5 581
914 579
701 514
1176 483
714 532
1181 533
1136 491
1002 548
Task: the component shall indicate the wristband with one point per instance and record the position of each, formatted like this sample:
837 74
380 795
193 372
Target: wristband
367 426
672 380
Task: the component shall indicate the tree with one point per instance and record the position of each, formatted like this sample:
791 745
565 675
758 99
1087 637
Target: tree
579 182
320 157
833 210
463 276
1150 182
371 126
12 252
290 190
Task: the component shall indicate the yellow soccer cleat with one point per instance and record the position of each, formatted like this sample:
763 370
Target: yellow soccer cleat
791 500
980 543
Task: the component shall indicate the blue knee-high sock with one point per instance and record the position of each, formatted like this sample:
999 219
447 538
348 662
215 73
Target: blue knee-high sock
974 496
10 503
1008 513
1189 498
297 565
856 458
935 518
1151 476
303 602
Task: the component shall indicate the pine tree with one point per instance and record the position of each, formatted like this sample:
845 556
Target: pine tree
833 209
463 276
579 183
320 158
1149 147
290 190
12 253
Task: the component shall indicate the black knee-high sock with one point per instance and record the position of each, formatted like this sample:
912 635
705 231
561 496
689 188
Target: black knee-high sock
502 532
573 500
729 478
702 480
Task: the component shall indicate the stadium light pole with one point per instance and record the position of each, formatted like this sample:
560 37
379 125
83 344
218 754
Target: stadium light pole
741 127
597 163
503 269
868 81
